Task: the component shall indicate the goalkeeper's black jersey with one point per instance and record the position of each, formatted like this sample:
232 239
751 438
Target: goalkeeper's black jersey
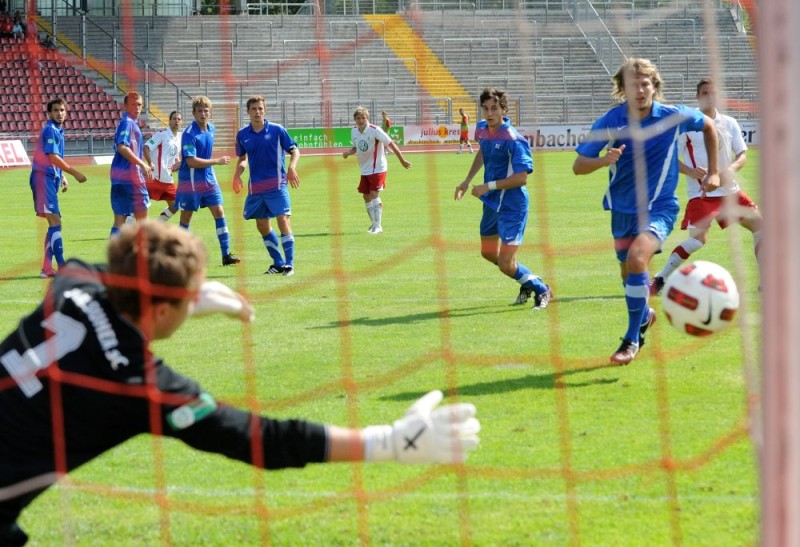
76 372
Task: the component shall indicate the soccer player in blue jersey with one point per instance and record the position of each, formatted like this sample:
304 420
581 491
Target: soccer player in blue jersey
129 172
47 177
641 136
505 156
197 182
262 145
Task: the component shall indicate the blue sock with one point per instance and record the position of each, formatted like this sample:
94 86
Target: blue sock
114 231
223 236
526 278
56 244
636 292
184 226
272 245
47 263
288 248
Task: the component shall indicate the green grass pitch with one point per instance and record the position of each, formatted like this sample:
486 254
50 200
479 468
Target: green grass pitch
572 450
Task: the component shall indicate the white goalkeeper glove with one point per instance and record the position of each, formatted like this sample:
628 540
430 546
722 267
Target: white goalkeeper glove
214 297
426 434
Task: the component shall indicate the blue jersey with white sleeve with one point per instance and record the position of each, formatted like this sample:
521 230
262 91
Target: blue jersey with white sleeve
266 155
128 134
196 143
505 152
51 141
663 127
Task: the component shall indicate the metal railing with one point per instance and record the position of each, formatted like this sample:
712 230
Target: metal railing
202 43
358 24
359 81
470 41
594 29
389 60
226 87
321 41
538 61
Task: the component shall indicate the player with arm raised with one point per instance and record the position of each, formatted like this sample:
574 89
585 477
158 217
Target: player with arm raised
641 138
47 178
129 172
368 146
166 146
505 156
78 378
197 182
727 204
262 145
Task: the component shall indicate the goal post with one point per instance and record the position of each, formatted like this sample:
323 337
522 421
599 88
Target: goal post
779 56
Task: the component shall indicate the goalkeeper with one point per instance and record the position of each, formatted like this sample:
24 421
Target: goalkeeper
77 378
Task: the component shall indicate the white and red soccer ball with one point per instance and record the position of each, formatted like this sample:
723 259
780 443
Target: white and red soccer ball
700 298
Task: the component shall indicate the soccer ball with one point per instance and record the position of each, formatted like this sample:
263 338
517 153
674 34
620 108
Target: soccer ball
700 298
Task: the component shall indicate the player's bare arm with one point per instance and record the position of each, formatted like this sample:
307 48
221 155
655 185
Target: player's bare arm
348 153
514 181
477 165
127 153
291 172
199 163
64 184
585 165
59 162
237 173
711 140
728 175
396 149
698 172
146 156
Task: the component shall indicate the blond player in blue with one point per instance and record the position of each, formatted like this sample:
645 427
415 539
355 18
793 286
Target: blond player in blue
505 156
263 146
641 137
47 178
197 182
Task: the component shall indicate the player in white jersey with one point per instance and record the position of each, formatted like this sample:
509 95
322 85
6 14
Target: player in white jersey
727 204
368 145
166 146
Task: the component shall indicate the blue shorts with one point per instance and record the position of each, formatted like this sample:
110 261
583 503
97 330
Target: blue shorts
194 201
510 226
45 194
127 199
268 204
625 228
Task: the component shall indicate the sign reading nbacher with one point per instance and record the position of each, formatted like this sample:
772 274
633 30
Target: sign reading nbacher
545 137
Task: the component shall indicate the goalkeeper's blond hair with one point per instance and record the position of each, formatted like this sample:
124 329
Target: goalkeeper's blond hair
642 67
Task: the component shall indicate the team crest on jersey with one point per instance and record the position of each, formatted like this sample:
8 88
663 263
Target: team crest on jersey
362 145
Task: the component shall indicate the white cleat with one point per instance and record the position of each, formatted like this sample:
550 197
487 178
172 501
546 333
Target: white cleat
375 230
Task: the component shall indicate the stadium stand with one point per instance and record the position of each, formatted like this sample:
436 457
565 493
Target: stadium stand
314 71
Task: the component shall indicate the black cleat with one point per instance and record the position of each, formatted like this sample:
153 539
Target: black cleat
541 301
274 270
625 354
656 285
524 295
230 259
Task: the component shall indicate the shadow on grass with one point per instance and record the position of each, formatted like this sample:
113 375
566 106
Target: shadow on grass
531 381
416 317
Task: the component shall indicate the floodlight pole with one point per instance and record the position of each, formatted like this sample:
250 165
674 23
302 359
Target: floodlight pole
779 61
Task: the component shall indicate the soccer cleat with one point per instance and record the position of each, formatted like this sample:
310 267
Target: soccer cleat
375 229
541 301
288 270
656 285
371 229
274 270
229 259
625 353
651 319
523 296
44 274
